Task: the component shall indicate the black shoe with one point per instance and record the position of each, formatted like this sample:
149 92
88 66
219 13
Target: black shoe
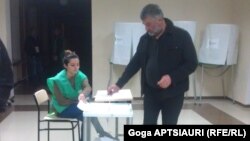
106 134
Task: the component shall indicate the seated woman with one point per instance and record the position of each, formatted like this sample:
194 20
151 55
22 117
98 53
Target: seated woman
68 87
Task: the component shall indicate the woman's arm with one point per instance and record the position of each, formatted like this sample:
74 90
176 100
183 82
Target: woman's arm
86 90
60 98
86 87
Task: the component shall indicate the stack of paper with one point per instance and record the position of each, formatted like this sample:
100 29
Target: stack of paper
122 95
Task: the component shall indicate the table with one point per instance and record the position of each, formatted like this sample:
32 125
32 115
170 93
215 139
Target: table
116 110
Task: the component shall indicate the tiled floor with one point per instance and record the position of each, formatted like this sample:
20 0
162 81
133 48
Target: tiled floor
19 122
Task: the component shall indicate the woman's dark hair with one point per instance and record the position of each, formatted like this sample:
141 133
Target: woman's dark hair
68 55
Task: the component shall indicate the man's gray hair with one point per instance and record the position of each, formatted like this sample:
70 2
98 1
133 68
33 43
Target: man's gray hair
151 10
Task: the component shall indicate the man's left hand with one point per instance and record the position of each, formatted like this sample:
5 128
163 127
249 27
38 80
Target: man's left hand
165 81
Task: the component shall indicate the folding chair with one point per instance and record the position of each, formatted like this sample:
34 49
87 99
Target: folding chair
41 97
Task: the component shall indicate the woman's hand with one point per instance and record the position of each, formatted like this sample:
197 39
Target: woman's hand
82 97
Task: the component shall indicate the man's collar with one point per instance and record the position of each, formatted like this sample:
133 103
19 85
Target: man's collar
169 26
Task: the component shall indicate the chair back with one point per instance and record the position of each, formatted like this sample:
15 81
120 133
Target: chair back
41 96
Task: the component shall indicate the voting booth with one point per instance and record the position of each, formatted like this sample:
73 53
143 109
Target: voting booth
219 45
126 39
127 36
219 49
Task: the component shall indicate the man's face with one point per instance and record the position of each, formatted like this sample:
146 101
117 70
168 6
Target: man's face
153 25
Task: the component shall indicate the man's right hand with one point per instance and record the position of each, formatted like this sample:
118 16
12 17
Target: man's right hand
113 89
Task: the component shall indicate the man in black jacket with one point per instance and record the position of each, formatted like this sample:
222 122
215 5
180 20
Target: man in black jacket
166 56
6 77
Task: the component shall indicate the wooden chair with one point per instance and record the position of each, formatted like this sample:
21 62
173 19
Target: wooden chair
41 96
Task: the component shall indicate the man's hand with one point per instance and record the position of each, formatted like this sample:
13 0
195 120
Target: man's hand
165 81
113 89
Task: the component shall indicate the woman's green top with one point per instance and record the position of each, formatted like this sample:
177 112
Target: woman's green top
65 87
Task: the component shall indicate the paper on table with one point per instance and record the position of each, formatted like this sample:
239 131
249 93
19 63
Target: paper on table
82 106
92 107
121 95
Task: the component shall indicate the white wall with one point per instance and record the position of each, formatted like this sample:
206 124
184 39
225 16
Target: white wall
9 31
241 87
5 33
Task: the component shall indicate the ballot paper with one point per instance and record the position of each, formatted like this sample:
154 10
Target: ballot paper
121 95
